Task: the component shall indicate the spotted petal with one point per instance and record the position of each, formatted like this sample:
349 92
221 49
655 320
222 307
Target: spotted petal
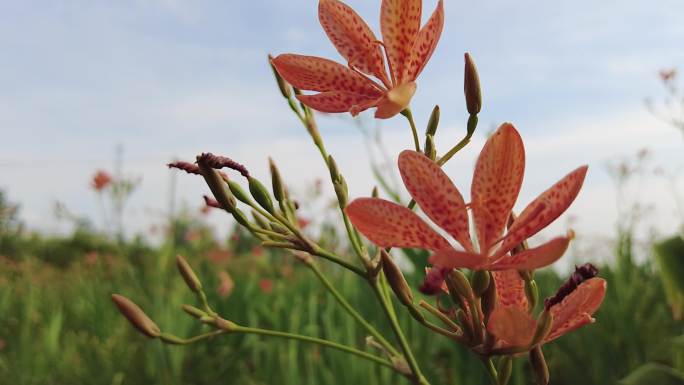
512 325
313 73
576 309
510 289
544 209
388 224
496 183
436 195
400 23
426 42
338 101
535 258
452 258
352 37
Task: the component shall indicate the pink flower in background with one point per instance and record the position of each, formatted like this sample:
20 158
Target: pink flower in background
226 284
266 285
101 180
349 88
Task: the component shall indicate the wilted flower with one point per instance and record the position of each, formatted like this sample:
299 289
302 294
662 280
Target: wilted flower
571 308
101 180
350 88
496 183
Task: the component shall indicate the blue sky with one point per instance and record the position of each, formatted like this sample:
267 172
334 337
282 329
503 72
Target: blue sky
171 78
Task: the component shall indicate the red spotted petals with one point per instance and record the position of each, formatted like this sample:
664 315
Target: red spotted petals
406 46
514 327
496 183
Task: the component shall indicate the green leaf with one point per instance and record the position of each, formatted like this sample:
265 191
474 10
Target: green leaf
653 374
669 255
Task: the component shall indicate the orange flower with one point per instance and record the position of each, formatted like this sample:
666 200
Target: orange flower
512 325
496 183
101 180
350 88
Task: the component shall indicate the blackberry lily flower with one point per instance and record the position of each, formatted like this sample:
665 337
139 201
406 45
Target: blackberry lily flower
571 308
350 88
496 183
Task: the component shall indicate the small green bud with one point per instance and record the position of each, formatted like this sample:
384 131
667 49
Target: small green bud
334 171
241 218
282 84
430 150
276 181
224 324
341 191
188 274
457 281
396 279
375 193
260 221
538 363
481 281
136 316
471 86
193 311
504 369
260 194
278 228
238 192
433 122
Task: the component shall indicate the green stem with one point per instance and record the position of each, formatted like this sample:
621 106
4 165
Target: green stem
491 370
472 124
315 340
406 349
343 302
321 252
409 116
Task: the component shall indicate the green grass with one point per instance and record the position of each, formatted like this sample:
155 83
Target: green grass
59 326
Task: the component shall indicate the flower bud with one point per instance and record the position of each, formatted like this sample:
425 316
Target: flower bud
217 186
193 311
188 274
504 369
375 192
260 221
396 279
282 84
238 192
240 217
334 171
276 181
538 363
458 282
341 191
136 316
433 122
430 150
481 280
471 86
260 194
